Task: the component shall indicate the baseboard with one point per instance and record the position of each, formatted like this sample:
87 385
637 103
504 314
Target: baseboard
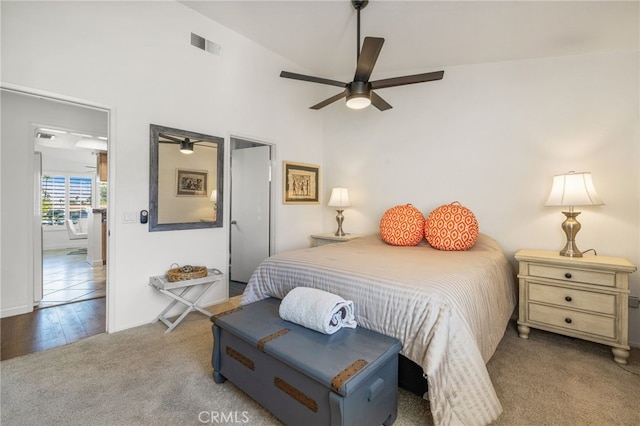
17 310
94 263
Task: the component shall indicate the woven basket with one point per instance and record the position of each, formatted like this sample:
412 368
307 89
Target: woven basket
186 272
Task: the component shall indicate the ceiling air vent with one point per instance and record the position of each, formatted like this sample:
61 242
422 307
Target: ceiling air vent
204 44
47 136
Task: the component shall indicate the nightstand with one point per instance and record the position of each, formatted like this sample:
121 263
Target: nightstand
584 297
331 238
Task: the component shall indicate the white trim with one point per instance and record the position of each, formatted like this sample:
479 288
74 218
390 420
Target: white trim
56 97
16 310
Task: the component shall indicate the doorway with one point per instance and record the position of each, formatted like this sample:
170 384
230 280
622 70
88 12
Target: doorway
251 226
70 195
25 113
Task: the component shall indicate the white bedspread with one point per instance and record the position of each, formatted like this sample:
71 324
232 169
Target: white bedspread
449 309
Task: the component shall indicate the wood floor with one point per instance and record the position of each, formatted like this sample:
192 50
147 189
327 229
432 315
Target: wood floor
50 327
65 314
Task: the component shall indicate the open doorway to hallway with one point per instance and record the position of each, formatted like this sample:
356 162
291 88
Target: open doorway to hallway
67 288
71 195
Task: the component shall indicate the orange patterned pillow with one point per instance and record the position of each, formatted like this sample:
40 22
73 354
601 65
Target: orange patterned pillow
402 226
451 227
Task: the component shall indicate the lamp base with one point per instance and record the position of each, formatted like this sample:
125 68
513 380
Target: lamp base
571 227
340 219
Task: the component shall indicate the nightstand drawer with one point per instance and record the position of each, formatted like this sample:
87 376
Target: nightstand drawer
571 298
570 274
571 320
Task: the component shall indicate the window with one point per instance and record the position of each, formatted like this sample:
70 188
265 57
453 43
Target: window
65 197
103 188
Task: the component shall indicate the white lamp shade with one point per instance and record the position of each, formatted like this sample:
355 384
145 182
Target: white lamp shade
573 189
214 196
339 197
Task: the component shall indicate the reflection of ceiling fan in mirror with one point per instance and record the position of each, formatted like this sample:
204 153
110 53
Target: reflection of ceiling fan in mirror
359 92
186 144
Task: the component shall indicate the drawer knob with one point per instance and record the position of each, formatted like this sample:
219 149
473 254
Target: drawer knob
567 275
568 298
567 320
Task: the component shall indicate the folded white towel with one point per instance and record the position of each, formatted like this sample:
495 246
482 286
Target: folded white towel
318 310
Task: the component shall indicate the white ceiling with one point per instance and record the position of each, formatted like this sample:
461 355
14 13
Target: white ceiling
422 36
64 152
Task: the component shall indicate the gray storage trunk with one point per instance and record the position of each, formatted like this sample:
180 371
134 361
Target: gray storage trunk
304 377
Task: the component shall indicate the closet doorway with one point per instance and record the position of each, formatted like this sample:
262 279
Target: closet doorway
251 226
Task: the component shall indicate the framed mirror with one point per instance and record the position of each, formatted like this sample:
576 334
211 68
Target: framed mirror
185 180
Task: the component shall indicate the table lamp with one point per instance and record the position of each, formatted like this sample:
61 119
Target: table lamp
340 199
569 190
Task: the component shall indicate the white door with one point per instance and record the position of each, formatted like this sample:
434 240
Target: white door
250 210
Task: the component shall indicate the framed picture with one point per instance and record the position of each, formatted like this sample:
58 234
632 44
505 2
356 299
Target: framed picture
191 183
301 183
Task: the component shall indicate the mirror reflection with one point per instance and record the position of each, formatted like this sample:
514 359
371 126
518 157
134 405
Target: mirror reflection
186 180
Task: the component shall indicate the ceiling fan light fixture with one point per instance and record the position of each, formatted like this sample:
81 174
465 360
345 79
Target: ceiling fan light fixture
186 146
358 95
358 101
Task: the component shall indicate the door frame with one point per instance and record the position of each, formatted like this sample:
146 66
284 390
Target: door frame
111 148
233 139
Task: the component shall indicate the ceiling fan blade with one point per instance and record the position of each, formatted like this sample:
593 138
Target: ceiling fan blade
368 57
329 101
379 103
294 76
407 79
171 138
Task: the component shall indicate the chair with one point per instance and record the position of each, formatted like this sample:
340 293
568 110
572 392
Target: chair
73 232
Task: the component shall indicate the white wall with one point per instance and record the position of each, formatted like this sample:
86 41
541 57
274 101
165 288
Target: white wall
137 59
492 136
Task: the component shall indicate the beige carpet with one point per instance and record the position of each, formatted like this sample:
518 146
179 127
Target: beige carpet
145 377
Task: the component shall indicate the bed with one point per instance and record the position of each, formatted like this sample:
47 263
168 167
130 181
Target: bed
449 309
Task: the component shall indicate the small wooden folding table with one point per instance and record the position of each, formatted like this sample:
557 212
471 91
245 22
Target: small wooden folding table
178 290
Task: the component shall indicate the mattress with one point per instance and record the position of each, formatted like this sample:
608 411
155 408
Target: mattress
449 309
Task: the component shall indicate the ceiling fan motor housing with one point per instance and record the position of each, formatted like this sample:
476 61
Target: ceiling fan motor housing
358 93
358 88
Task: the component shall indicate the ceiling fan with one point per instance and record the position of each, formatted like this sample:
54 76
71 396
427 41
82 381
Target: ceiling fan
359 92
186 144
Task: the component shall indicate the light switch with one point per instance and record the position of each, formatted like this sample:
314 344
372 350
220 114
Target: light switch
130 217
